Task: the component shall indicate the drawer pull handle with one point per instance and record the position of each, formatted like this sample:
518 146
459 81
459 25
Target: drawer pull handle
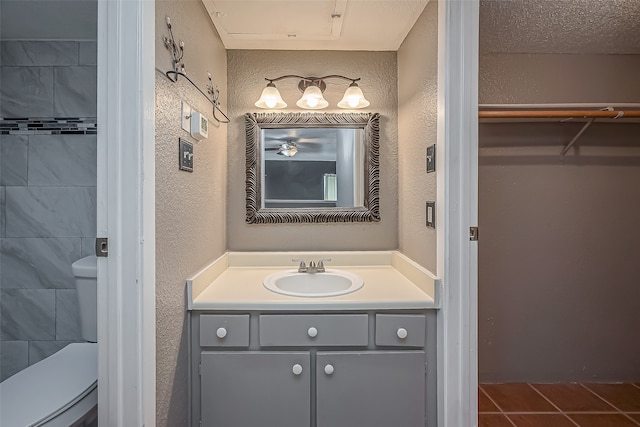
312 332
221 332
297 369
328 369
402 333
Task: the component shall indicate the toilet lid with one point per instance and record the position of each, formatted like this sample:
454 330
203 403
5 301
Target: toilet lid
49 386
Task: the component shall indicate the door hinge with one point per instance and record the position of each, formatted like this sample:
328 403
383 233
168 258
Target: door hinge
473 234
200 369
102 247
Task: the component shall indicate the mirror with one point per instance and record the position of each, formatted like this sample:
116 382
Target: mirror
306 167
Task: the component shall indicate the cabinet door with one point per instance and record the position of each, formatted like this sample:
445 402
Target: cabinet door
267 389
371 389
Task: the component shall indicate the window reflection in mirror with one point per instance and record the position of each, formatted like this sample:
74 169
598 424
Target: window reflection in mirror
312 167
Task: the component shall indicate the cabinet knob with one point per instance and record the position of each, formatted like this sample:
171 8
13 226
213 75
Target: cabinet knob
312 332
221 332
297 369
328 369
402 333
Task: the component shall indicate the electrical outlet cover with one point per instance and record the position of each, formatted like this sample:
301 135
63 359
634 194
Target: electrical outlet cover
185 155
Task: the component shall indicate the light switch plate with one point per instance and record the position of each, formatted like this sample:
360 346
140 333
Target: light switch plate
186 117
431 158
185 153
431 214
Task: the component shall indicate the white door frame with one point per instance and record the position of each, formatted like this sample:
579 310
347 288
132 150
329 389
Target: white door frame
126 213
457 203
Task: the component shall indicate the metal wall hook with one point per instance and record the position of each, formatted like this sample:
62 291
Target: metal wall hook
177 54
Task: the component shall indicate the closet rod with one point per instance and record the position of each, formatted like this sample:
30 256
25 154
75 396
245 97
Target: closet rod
564 106
552 114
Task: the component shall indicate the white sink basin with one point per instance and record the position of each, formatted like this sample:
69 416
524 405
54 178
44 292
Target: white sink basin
313 285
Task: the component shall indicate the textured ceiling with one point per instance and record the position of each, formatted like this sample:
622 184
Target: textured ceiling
560 26
506 26
375 25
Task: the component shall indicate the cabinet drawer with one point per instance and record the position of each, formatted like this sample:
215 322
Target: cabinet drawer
224 330
316 330
400 330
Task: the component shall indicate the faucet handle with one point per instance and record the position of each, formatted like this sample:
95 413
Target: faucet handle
303 267
321 263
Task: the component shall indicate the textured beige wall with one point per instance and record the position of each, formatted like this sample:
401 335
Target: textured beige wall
190 207
559 248
553 78
247 70
417 126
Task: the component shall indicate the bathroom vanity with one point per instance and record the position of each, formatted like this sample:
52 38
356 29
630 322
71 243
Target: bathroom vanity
363 359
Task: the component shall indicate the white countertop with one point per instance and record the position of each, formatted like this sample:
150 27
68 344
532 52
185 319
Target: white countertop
235 282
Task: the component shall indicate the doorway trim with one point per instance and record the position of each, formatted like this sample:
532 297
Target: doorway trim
457 258
126 212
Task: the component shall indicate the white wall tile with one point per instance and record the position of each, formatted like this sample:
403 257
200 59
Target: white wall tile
38 53
38 263
27 314
75 91
67 315
88 53
14 357
1 216
13 159
26 92
50 211
62 160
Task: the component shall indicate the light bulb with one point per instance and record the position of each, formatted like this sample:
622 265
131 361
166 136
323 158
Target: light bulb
270 98
312 99
353 98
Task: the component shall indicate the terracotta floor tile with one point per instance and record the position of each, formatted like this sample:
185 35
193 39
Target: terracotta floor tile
540 420
517 397
625 397
485 404
493 420
573 398
602 420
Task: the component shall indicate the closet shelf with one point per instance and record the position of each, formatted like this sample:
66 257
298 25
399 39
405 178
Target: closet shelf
565 113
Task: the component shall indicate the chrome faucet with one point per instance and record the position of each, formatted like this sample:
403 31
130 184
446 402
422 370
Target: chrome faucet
312 268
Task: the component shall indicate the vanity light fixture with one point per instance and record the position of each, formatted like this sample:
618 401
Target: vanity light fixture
312 89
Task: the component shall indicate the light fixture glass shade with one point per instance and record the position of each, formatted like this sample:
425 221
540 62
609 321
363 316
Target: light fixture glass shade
271 98
312 99
353 98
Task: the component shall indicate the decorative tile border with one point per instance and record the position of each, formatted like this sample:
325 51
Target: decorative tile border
49 126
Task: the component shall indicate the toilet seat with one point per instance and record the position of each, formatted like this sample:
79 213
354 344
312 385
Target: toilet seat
50 387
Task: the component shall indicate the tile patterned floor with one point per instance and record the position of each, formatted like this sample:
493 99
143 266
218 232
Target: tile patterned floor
559 405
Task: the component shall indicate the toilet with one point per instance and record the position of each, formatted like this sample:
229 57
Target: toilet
61 390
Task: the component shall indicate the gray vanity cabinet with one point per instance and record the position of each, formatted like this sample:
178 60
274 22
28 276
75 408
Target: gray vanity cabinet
370 389
350 369
267 389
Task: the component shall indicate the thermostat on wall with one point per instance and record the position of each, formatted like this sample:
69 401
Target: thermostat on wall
199 125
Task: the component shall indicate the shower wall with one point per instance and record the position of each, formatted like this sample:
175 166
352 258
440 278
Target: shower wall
47 193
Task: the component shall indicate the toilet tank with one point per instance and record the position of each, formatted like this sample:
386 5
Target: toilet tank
85 271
